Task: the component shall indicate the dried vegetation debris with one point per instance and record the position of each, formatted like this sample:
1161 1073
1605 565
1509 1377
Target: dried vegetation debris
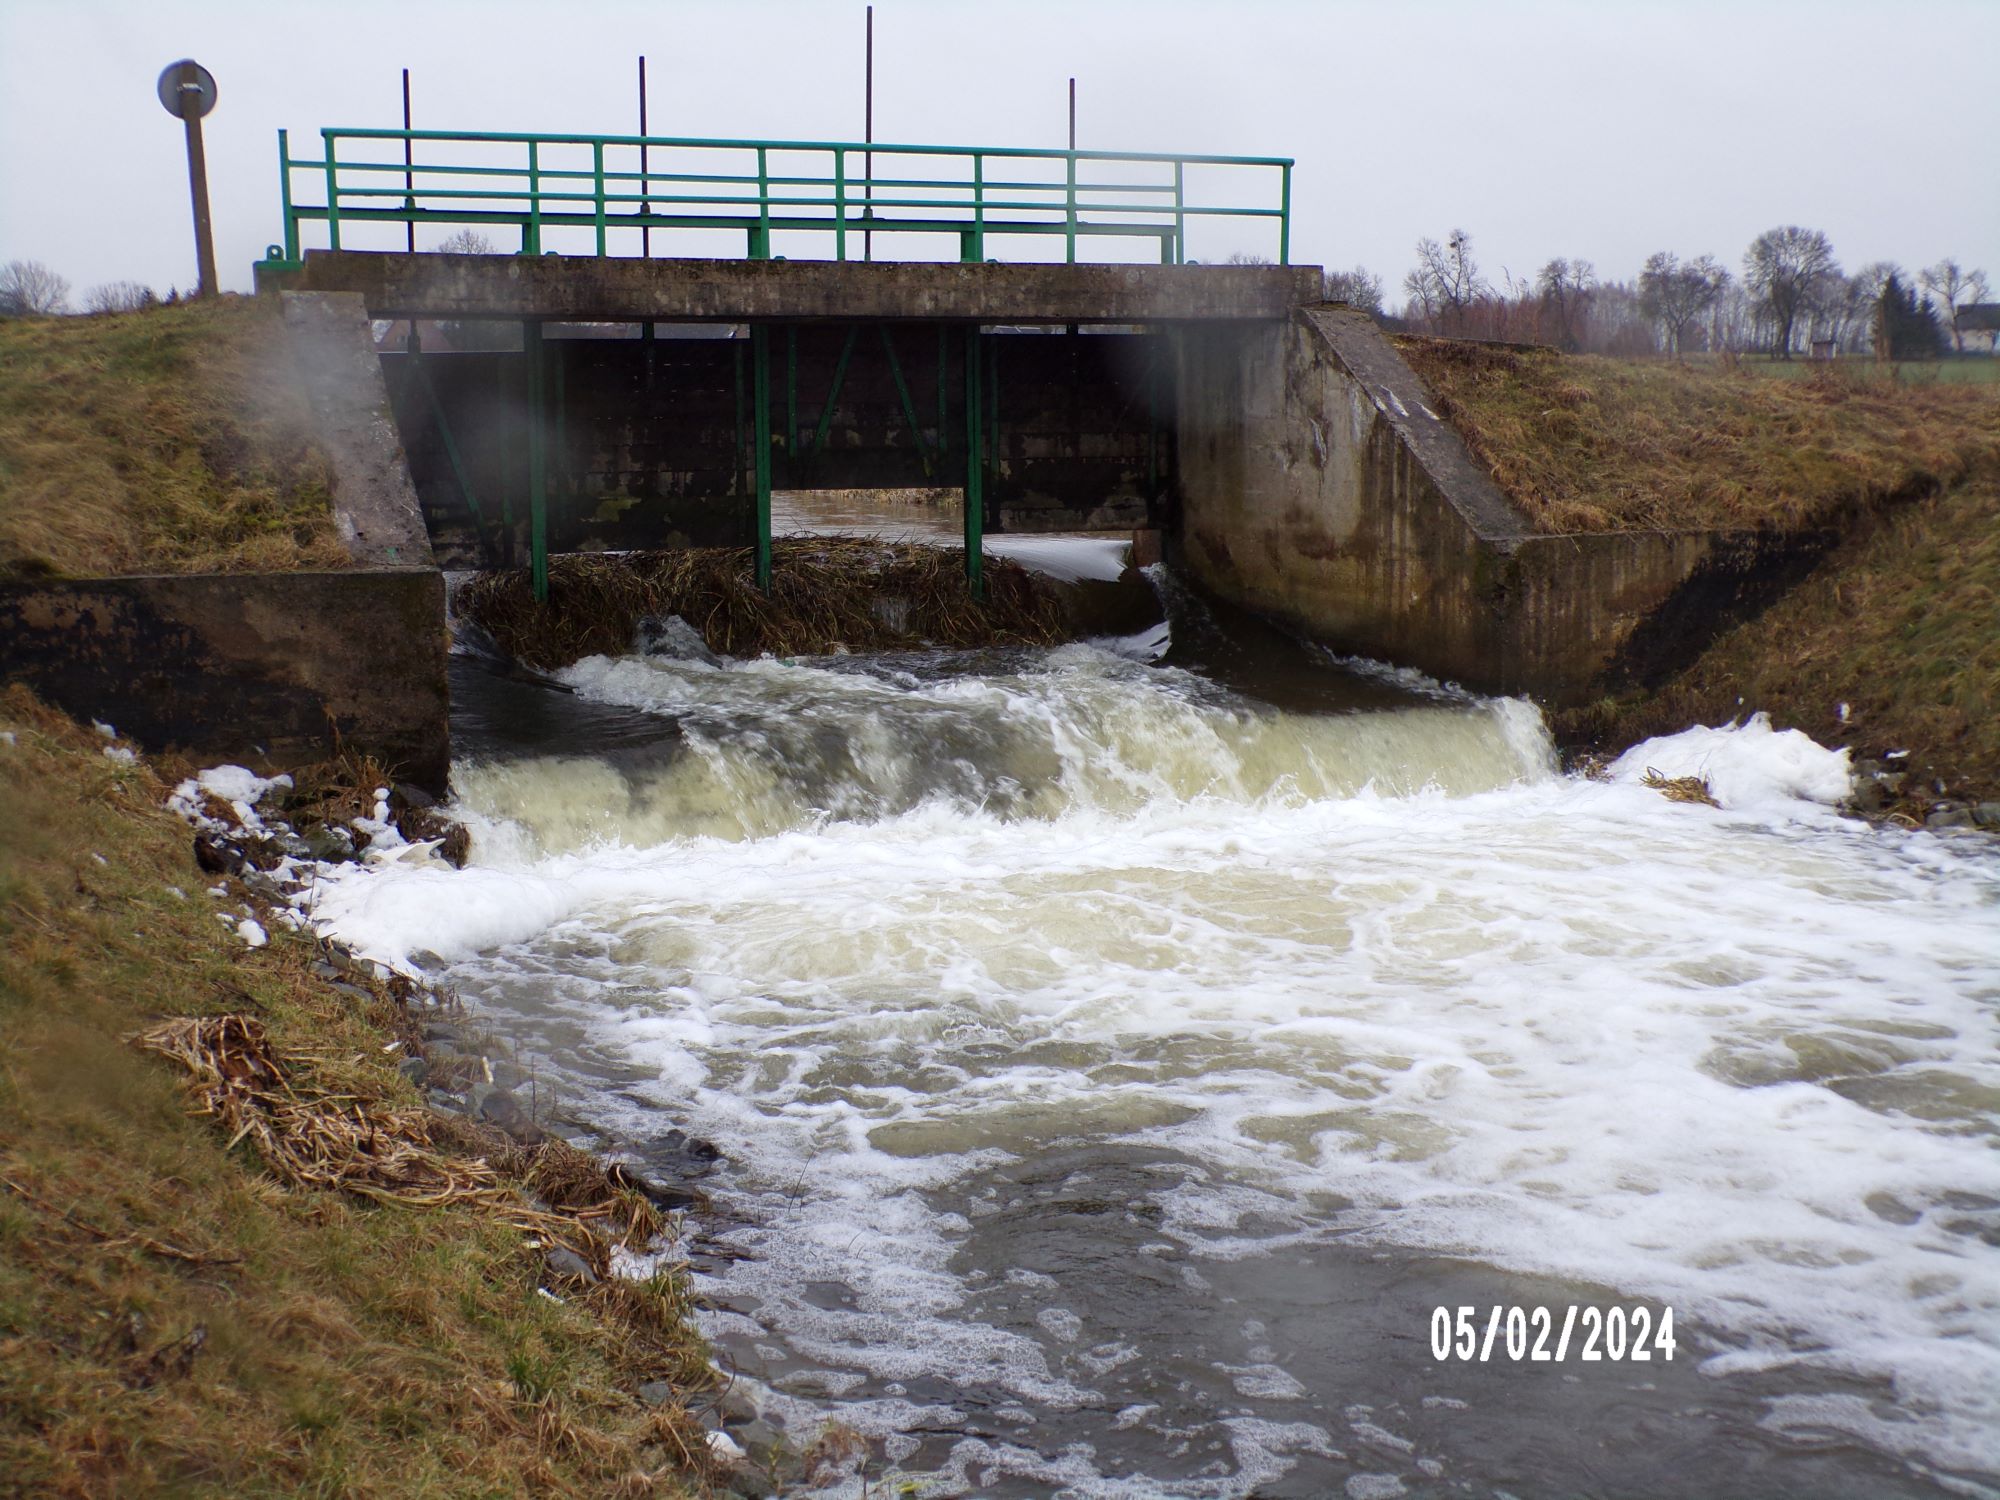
826 595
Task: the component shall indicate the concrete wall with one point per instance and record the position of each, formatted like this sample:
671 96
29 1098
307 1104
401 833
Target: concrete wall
734 291
1318 485
270 668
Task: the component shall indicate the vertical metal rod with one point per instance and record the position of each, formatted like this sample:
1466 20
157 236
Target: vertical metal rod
975 487
760 345
868 136
1069 225
1072 169
761 250
978 208
409 177
285 188
1072 114
538 459
645 168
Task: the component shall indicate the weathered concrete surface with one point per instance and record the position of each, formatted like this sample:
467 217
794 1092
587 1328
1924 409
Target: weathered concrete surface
1318 484
587 288
374 504
274 669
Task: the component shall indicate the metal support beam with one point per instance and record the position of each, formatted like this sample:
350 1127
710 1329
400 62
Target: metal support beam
909 406
760 346
538 459
975 463
833 392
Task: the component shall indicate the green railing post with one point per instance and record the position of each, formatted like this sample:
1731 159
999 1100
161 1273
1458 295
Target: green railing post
978 208
760 348
597 174
839 203
538 459
534 245
332 192
760 242
1069 231
285 188
1180 213
975 459
1285 217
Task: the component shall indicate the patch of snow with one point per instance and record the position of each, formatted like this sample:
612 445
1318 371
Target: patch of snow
1747 766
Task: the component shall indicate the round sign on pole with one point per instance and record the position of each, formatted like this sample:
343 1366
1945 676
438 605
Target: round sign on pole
187 80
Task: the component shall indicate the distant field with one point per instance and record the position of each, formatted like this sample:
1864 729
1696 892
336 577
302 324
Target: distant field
1587 443
1971 369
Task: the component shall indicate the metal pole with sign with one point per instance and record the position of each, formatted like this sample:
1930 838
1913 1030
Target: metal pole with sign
187 91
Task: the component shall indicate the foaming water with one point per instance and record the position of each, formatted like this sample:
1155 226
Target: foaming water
1115 1069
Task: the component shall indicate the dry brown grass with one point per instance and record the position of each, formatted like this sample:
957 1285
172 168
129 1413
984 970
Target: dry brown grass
1901 625
1585 443
182 1314
168 441
824 595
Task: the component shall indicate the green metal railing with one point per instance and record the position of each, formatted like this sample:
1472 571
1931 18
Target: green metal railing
614 188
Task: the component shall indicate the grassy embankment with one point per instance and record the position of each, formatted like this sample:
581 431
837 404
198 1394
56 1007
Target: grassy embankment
174 440
176 1315
1900 622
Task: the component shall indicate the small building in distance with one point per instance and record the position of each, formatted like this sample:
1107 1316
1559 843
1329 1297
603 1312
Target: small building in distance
1979 327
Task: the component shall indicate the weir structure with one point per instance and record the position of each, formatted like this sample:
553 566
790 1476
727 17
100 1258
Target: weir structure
594 384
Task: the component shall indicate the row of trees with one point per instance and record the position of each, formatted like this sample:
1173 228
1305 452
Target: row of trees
1791 294
28 289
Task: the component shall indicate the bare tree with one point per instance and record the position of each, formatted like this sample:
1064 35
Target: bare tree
1675 293
119 297
1359 288
1566 287
28 288
1954 288
466 242
1780 268
1446 281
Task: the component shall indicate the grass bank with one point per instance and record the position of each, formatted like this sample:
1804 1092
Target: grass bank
826 595
173 440
1899 627
185 1313
1586 443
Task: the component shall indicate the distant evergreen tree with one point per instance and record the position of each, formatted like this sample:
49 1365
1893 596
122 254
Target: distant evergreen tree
1906 327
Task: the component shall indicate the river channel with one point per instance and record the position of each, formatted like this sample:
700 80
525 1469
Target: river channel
1119 1051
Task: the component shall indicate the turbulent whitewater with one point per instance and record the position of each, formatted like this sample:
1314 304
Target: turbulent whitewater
1116 1063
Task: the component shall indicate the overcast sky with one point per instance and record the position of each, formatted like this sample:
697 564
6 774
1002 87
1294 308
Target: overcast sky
1605 129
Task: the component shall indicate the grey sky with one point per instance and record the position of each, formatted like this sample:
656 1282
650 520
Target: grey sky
1605 130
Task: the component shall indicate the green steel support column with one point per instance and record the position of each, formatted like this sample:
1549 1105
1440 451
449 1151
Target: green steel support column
760 343
833 392
975 463
944 389
538 499
909 406
560 448
791 393
736 472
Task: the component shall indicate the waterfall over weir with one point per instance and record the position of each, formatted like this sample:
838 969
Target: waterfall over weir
1120 1051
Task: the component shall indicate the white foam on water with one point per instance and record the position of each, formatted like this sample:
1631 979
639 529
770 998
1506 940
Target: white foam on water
1742 1060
